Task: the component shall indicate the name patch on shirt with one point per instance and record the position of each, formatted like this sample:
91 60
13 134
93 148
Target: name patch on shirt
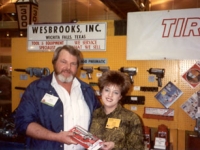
113 123
49 99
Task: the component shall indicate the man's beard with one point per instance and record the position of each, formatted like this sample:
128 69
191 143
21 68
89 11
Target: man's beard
62 78
65 79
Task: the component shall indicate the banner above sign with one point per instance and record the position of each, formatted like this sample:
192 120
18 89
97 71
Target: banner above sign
157 35
85 37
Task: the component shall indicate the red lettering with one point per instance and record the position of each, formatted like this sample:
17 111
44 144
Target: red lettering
184 27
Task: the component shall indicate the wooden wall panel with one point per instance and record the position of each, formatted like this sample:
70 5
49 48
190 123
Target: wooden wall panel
116 58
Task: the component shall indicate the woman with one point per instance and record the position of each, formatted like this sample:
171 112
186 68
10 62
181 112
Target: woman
121 129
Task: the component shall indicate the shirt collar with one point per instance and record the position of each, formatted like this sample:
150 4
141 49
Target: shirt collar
117 109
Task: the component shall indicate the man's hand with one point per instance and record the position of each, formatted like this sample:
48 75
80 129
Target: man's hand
36 131
66 137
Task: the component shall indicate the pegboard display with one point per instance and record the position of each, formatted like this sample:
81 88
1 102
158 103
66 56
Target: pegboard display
116 58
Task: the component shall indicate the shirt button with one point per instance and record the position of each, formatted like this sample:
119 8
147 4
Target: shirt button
61 146
60 115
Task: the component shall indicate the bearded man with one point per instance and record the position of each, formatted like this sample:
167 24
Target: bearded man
52 105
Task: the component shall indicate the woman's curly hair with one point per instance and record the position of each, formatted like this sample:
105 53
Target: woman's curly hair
117 78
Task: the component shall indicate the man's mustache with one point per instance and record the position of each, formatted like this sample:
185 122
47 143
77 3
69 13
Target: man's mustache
66 70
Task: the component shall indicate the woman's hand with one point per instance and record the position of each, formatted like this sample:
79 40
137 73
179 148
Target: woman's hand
107 145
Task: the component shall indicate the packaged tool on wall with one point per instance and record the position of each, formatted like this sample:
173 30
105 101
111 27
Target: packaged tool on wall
35 71
139 100
159 113
197 115
159 74
161 137
131 71
147 137
88 70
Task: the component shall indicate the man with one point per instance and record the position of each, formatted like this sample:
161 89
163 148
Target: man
52 105
5 85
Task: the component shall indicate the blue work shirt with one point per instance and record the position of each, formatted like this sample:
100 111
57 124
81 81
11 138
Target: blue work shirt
31 109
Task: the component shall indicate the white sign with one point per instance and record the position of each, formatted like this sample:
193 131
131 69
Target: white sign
23 15
27 14
160 143
157 35
94 61
85 37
